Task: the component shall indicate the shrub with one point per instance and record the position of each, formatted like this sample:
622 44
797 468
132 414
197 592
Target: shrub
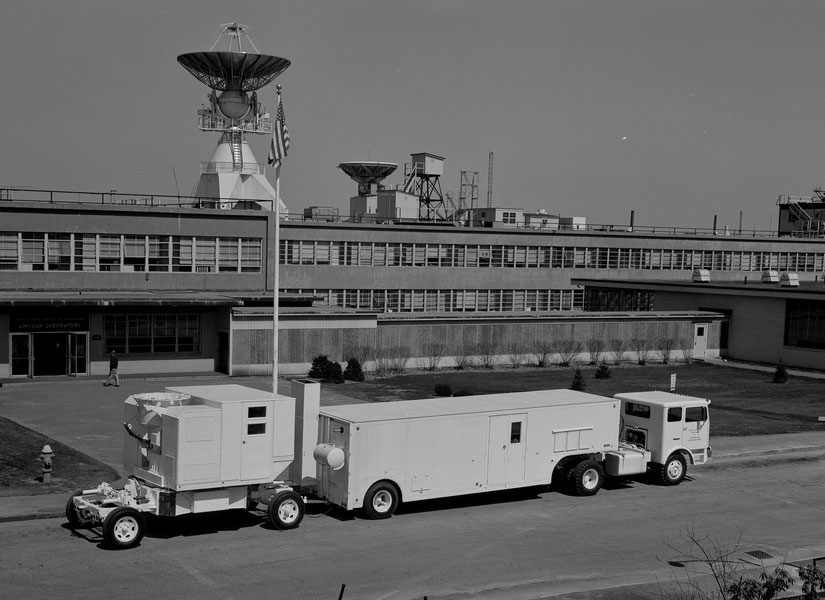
617 349
541 352
603 372
326 370
354 372
596 348
780 375
463 393
578 381
442 389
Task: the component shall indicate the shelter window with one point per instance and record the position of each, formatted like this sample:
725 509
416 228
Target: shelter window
674 415
515 432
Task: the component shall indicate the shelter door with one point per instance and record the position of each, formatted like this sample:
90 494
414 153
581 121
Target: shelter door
506 452
700 340
256 447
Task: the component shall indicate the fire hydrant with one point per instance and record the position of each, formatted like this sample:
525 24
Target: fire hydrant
46 455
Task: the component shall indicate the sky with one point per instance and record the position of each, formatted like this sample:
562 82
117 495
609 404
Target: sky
680 111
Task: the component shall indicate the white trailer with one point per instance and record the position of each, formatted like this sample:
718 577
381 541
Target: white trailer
375 456
194 450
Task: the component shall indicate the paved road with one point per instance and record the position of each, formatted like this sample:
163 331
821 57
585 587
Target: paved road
512 546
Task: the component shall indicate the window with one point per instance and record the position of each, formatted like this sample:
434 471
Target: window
8 251
109 256
34 247
674 415
134 252
634 409
515 432
152 333
60 251
228 255
696 414
256 412
256 428
805 324
182 254
251 253
159 253
205 255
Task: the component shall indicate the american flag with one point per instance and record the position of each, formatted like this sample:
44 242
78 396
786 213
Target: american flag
279 146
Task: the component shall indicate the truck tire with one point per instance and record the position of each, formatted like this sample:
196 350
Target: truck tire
286 510
123 528
587 478
674 470
73 516
381 501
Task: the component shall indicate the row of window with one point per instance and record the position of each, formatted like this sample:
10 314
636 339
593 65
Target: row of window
449 300
383 254
805 324
159 253
152 333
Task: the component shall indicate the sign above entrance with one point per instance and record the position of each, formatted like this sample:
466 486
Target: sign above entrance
46 323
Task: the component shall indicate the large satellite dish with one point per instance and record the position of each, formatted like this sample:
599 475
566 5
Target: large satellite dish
233 71
367 174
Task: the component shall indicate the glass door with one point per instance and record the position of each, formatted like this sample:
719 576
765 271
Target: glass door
76 358
21 358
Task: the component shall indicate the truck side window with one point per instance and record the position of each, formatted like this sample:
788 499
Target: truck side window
515 432
696 414
674 415
634 409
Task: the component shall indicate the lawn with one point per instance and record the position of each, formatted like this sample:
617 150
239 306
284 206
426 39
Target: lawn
20 468
743 402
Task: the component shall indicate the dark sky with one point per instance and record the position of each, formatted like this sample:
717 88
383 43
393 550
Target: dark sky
677 110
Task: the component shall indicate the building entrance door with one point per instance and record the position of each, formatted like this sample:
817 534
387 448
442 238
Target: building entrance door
21 355
49 352
76 360
700 340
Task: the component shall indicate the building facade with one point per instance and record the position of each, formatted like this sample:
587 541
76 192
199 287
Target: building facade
170 287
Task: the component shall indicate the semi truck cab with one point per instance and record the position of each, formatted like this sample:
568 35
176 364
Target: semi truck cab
674 429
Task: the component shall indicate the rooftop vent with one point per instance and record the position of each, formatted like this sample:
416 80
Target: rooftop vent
770 276
789 280
701 276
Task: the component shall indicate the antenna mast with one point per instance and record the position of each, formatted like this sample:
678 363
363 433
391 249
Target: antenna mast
490 182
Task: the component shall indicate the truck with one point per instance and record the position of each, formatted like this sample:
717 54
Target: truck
218 447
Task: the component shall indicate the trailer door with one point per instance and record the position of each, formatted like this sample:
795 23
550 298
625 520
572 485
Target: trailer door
506 453
256 437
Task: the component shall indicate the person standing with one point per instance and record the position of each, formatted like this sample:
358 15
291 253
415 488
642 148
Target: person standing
113 375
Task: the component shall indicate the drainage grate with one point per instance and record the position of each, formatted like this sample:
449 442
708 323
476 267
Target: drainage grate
759 554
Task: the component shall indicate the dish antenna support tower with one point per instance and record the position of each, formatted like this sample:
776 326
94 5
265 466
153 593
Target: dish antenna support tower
233 178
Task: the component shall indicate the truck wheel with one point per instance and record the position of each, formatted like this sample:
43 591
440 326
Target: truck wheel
123 528
381 501
76 520
587 478
286 510
674 470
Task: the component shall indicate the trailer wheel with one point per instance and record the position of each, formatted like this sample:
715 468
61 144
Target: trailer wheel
674 470
286 510
76 520
123 528
381 501
587 478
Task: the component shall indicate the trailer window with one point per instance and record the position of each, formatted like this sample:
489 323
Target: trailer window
515 432
634 409
256 412
256 429
696 414
674 415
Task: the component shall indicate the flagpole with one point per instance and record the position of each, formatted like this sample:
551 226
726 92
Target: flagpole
276 284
